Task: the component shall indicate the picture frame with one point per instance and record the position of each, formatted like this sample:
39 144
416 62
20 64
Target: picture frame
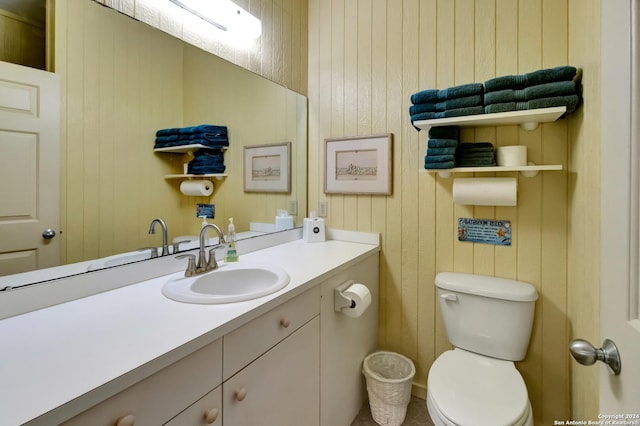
358 165
267 168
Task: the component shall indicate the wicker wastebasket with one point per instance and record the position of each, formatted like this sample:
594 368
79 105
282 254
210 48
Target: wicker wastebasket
388 377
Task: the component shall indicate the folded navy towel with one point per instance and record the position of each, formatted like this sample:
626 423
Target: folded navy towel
548 75
438 158
425 116
475 147
202 128
480 162
207 143
442 143
440 165
475 110
424 96
461 91
474 156
441 151
444 132
211 136
570 101
558 88
424 107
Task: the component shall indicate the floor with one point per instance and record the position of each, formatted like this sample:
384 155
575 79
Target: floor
417 415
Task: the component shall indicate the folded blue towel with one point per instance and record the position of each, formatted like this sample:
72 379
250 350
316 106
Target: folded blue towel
474 156
480 162
461 91
428 159
440 165
475 147
424 96
424 116
423 107
558 88
475 110
441 151
211 136
202 128
549 75
570 101
435 95
442 143
444 132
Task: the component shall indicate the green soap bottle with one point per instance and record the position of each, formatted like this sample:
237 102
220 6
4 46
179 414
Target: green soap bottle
232 254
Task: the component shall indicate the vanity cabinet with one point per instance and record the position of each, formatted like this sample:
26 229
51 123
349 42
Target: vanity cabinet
272 366
160 397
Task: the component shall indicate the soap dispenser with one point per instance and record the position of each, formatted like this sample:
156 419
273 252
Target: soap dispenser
232 254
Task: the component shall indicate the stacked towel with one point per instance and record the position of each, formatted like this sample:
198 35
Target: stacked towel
466 99
211 136
441 147
206 161
478 154
538 89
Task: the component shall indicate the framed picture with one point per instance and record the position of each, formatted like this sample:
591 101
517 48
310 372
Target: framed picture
267 168
358 165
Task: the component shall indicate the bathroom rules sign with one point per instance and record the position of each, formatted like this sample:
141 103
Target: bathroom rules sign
486 231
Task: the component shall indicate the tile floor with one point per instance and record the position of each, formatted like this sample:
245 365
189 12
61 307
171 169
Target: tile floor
417 415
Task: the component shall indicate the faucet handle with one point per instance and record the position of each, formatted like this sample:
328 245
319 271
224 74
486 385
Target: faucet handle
154 251
213 263
191 266
176 245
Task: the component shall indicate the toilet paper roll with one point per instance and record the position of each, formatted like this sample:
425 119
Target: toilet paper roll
486 191
360 294
198 188
511 155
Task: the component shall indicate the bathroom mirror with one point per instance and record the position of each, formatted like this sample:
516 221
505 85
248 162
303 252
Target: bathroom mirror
122 80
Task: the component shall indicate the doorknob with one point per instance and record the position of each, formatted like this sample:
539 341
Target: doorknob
48 234
586 354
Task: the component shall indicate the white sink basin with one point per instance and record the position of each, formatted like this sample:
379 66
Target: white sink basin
229 283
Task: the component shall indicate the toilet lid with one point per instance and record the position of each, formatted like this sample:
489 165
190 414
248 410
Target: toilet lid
471 389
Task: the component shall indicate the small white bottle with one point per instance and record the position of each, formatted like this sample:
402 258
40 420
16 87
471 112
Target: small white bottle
232 254
204 221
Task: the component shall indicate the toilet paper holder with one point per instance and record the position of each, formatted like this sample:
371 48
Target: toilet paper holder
340 301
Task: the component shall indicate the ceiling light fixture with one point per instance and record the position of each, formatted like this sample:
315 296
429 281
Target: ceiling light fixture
225 15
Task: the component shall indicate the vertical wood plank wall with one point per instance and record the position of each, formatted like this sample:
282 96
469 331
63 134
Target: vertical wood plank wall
122 80
22 41
365 59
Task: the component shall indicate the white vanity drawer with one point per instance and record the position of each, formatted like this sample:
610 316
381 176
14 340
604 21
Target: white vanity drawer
159 397
251 340
206 411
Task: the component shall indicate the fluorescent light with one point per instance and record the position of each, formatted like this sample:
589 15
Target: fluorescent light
225 15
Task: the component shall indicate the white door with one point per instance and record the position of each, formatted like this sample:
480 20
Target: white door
620 219
29 169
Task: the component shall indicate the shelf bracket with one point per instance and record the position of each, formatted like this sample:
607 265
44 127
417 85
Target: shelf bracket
528 126
529 173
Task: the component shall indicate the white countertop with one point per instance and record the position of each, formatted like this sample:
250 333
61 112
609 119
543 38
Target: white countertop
80 352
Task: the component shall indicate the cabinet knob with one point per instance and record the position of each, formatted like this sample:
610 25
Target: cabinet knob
241 394
211 416
127 420
285 322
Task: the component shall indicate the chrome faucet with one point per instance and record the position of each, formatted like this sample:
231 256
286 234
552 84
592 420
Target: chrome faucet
210 264
165 234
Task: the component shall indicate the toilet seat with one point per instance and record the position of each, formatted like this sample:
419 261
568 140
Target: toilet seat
470 389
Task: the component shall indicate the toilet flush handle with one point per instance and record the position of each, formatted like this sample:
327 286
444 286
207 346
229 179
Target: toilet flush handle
449 296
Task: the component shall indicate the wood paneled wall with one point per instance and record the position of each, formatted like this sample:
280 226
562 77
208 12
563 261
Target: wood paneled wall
22 41
365 60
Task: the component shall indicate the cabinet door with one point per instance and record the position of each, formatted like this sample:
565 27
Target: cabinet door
280 388
206 411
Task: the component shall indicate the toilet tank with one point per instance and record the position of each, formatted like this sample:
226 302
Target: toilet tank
487 315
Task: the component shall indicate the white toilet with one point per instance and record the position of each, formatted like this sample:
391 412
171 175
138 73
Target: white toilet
488 320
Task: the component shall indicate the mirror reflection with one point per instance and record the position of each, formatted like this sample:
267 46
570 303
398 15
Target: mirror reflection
121 81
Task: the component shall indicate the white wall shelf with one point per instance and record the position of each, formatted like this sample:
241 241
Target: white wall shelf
530 170
185 148
218 176
527 119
